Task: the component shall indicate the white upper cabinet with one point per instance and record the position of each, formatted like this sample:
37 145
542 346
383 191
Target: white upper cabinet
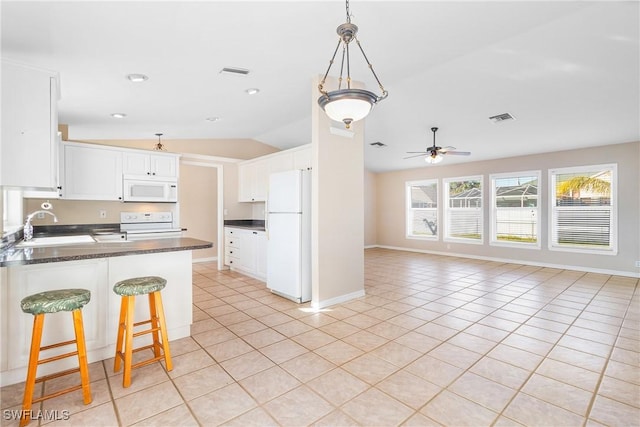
29 149
253 175
150 165
253 179
91 172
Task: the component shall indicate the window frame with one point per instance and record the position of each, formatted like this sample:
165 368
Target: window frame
613 207
446 210
12 211
409 210
493 239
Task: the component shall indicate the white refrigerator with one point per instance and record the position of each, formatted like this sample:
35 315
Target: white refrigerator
289 235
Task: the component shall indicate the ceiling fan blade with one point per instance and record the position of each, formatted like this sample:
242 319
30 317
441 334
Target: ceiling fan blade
447 148
458 153
417 152
417 155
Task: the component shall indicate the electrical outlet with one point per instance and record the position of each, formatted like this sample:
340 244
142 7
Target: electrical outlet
226 212
40 215
638 264
102 213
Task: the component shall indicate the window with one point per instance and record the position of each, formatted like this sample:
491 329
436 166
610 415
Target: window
515 209
11 211
583 209
463 209
422 209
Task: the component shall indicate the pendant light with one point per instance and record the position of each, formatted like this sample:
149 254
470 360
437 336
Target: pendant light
348 105
159 146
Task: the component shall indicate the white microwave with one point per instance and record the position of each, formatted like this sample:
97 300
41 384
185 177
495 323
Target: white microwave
141 190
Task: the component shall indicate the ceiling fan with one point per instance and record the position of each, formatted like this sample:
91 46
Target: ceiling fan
436 154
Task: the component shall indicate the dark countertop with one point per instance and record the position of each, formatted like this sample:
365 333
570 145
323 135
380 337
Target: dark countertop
250 224
12 256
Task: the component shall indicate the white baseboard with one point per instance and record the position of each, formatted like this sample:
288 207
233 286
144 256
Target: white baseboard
336 300
514 261
210 259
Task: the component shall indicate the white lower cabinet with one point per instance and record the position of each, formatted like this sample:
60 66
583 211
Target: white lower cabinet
31 279
246 251
100 315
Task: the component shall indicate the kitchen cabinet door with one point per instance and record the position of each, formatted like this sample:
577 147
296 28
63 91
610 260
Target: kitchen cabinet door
253 181
91 172
247 248
29 149
302 158
142 164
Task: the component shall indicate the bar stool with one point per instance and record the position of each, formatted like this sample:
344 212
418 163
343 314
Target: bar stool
52 302
129 289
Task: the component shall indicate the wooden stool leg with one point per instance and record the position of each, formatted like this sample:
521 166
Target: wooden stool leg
34 354
154 324
78 327
128 344
163 331
121 329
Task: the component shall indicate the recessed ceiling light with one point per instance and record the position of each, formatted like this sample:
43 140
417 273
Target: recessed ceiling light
252 91
118 115
212 119
137 78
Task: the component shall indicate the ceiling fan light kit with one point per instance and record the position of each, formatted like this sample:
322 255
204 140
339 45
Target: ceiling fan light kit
435 154
348 105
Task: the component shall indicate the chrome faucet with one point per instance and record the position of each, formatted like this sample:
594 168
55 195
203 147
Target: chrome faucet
28 228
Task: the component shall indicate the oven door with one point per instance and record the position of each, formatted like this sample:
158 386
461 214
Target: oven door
150 191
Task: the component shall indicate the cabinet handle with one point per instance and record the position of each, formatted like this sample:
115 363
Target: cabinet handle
148 173
230 252
119 198
255 232
230 241
230 262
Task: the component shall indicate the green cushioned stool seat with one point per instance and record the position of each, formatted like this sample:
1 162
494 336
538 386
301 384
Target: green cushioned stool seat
55 301
139 286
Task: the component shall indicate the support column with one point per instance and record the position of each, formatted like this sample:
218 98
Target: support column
338 209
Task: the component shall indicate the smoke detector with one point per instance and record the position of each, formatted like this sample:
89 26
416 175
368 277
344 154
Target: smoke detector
501 117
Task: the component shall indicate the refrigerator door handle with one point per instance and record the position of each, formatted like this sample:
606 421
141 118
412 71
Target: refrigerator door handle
266 217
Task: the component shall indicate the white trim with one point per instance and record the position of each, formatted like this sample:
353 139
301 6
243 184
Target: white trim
515 261
446 210
198 260
493 241
613 207
337 300
208 161
190 156
370 246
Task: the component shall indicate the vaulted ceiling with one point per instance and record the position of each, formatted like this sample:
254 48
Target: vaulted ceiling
567 71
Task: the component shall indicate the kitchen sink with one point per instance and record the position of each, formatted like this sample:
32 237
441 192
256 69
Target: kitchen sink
56 240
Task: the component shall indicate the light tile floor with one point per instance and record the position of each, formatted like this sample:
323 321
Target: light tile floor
436 341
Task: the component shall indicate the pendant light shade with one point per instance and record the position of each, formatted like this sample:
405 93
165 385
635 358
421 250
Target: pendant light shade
348 105
159 145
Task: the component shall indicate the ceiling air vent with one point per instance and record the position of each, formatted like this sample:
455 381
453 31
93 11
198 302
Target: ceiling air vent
501 118
378 144
234 71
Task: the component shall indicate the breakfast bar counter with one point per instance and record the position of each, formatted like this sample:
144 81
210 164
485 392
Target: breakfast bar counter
14 255
96 267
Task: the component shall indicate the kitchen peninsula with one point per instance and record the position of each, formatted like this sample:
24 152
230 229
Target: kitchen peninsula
97 267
